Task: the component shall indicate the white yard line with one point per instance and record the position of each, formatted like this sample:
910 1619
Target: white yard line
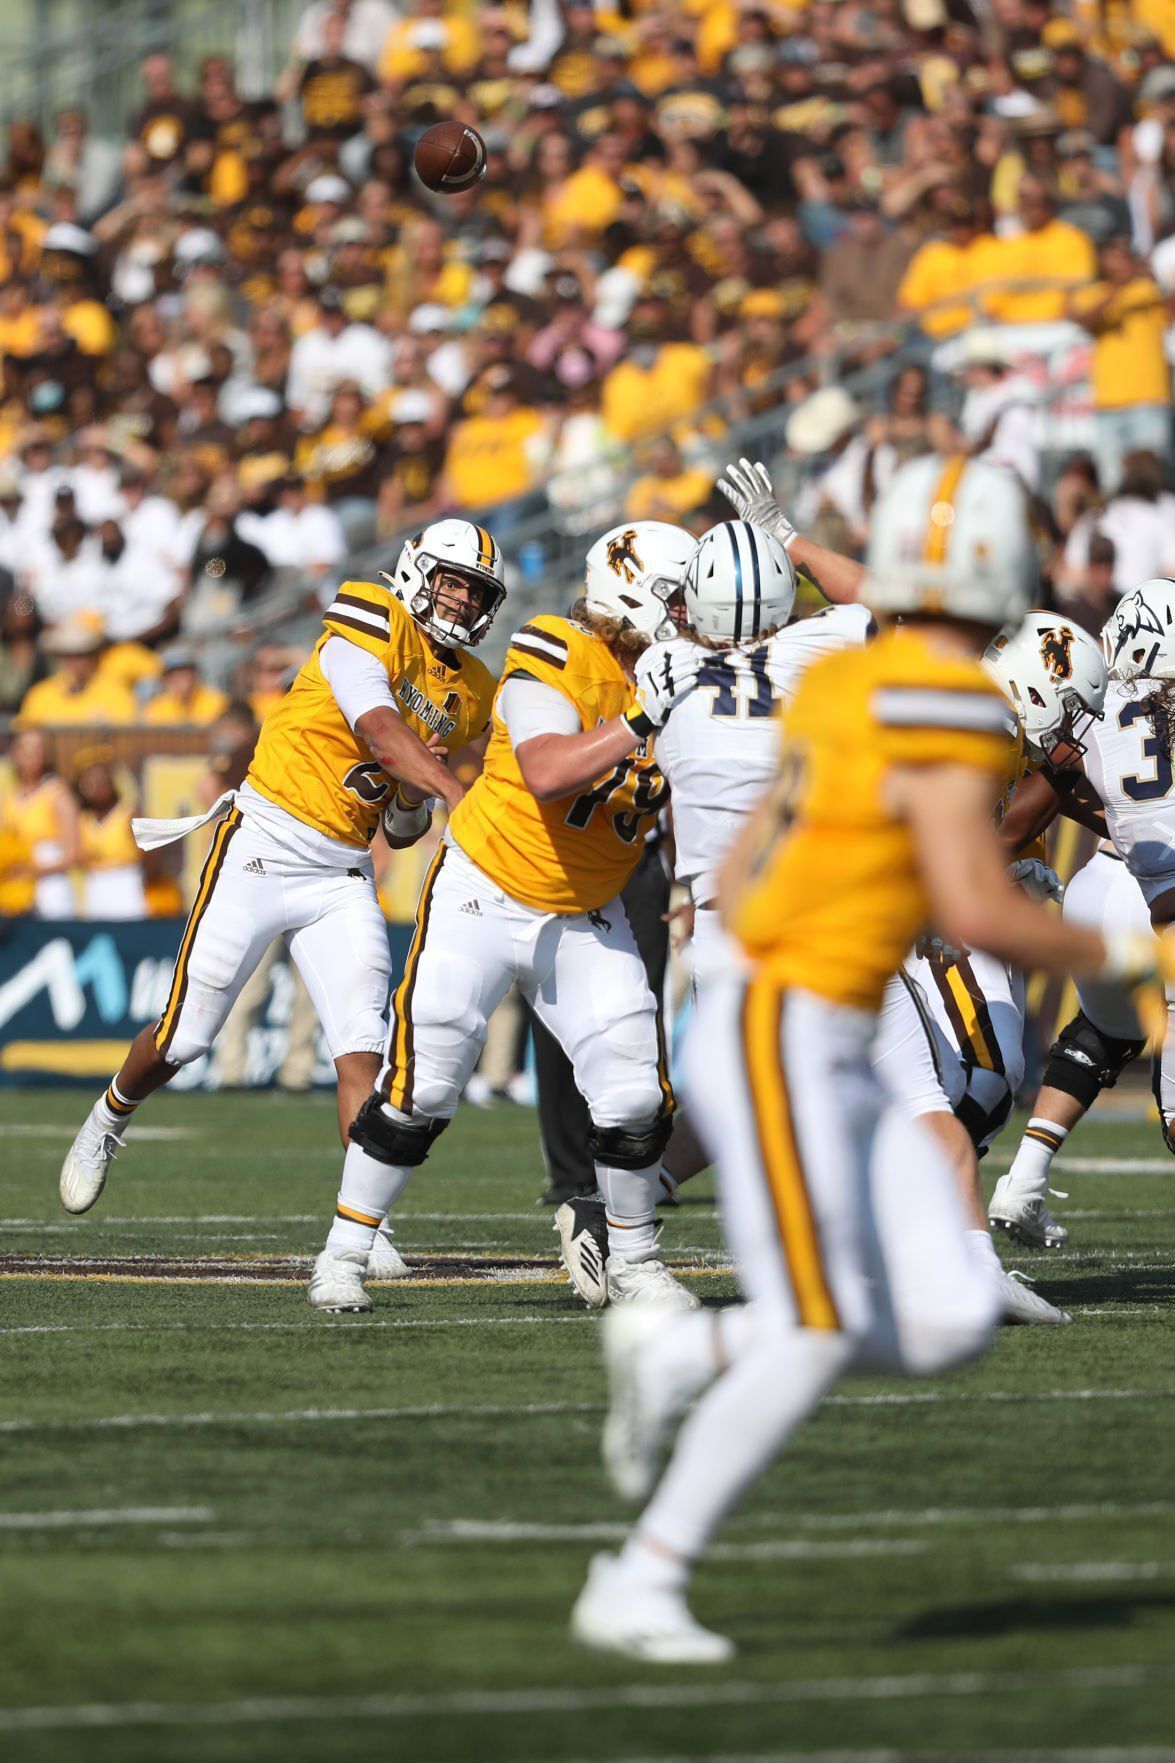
681 1692
476 1530
269 1218
105 1515
1090 1572
312 1325
495 1410
47 1131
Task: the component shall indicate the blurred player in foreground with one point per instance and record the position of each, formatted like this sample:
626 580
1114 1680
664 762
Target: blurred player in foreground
845 1225
349 744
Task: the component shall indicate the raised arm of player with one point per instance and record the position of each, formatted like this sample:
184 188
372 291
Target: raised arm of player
748 488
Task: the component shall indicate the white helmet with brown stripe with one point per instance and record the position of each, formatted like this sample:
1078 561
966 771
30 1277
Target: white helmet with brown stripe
450 578
635 570
952 538
1054 675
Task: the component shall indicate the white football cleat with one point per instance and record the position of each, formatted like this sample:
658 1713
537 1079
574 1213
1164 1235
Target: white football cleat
87 1164
337 1281
646 1282
1025 1216
385 1260
1022 1304
583 1247
643 1403
615 1614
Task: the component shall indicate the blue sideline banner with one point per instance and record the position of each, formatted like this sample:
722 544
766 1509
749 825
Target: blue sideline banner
73 995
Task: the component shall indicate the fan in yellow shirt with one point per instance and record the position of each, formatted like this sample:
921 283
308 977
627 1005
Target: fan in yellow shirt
78 692
1047 251
850 1245
183 698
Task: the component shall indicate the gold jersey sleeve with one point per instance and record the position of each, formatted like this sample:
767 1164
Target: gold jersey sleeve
837 900
309 760
576 853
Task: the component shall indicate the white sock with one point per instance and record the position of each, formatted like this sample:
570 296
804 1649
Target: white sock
738 1428
1040 1144
113 1110
368 1190
630 1206
981 1246
652 1567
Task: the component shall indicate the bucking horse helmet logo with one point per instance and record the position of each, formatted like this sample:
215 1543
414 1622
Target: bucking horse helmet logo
622 556
1055 645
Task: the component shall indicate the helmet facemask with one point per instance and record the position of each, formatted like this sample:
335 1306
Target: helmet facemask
443 609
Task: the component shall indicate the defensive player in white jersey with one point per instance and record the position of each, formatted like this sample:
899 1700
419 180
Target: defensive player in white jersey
720 748
1128 883
524 891
350 743
949 1045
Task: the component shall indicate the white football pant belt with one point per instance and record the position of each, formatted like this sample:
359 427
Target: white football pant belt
150 835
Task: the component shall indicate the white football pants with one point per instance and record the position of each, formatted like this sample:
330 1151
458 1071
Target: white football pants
582 976
254 888
844 1224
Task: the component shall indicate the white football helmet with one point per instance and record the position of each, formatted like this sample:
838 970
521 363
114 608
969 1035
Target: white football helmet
634 571
950 538
459 547
1139 635
740 582
1054 676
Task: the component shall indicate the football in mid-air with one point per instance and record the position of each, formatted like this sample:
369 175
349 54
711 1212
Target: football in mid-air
449 157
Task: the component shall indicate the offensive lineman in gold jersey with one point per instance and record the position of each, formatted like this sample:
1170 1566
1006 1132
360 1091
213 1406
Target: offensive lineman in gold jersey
350 743
525 891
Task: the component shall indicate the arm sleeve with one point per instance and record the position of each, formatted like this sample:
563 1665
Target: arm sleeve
356 678
530 708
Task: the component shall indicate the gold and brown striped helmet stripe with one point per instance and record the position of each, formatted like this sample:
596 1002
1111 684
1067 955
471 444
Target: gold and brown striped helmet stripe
485 547
942 510
209 875
397 1084
779 1152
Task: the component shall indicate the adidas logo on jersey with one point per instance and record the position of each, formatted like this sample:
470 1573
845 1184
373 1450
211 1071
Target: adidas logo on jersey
254 867
472 907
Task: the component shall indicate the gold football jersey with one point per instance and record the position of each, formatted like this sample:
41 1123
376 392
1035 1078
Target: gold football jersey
838 899
311 763
576 853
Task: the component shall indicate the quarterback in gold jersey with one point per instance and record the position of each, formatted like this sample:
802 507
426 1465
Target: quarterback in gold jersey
842 1219
390 681
524 892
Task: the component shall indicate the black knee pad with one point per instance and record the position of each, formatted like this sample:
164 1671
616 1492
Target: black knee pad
406 1142
1083 1061
626 1147
980 1123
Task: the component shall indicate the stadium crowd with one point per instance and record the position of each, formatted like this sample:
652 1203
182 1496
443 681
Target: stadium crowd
243 341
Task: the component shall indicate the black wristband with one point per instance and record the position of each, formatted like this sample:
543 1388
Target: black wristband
641 725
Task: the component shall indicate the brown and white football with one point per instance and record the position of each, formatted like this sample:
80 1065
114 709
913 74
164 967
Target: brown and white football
449 157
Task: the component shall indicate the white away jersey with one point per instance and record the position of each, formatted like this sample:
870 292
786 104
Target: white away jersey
1131 770
720 747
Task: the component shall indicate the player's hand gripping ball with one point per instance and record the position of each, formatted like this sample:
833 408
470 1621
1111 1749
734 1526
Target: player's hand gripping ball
449 157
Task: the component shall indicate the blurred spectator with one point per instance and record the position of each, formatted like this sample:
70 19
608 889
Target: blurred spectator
1089 594
1091 198
21 660
495 456
88 168
78 692
342 464
999 420
863 270
668 490
659 381
269 676
1126 314
951 262
297 534
366 25
183 700
38 829
110 862
1044 249
409 492
333 351
1135 520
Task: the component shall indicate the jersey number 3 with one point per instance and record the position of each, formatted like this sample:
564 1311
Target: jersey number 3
1146 789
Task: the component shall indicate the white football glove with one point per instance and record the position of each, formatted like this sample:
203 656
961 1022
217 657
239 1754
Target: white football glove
1037 879
752 497
665 674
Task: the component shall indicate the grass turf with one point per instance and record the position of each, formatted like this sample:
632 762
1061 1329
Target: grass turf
266 1581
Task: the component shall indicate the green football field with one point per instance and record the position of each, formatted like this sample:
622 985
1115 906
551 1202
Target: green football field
232 1529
